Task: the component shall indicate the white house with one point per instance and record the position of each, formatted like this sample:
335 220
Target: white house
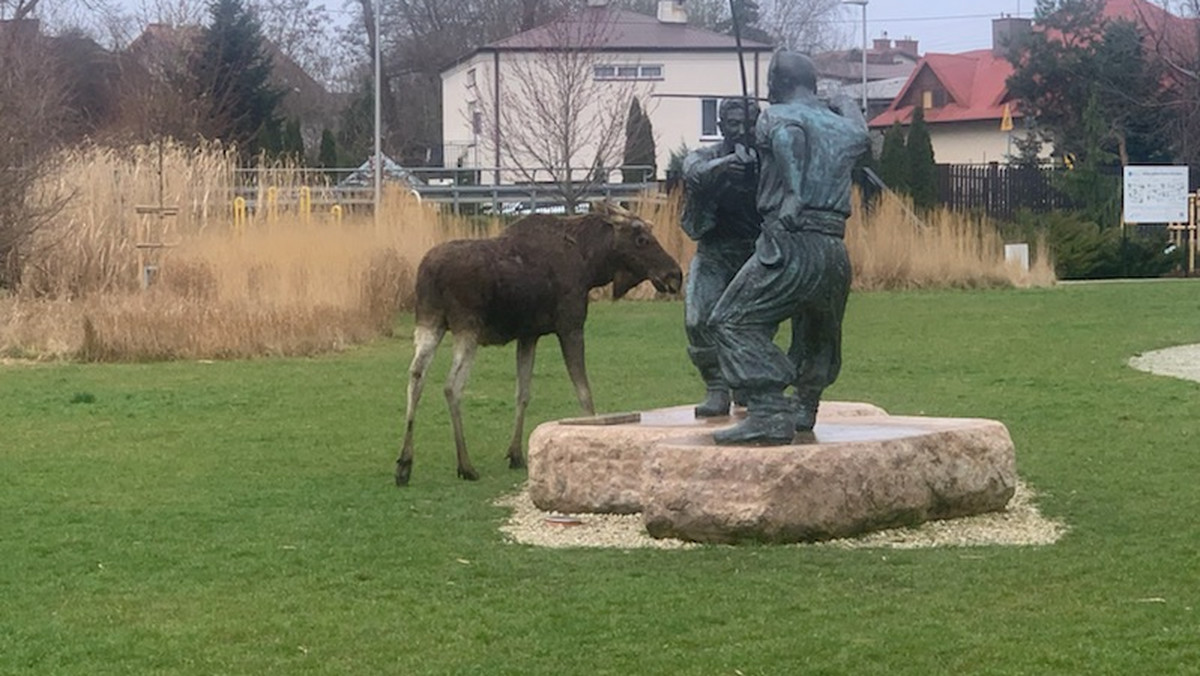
680 72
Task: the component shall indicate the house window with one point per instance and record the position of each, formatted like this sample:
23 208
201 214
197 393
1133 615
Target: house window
476 118
927 99
708 119
624 71
471 78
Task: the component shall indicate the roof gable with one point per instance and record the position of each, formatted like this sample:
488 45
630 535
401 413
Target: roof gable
610 29
975 84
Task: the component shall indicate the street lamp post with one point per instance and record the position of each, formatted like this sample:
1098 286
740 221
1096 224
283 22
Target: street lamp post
863 4
377 186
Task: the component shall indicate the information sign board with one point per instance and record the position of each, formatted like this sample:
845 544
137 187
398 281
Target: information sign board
1156 194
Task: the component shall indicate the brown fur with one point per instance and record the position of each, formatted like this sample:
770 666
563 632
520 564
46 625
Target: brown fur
531 281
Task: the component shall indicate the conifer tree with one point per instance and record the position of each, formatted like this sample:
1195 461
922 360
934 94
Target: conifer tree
640 150
327 156
893 159
231 69
922 173
292 145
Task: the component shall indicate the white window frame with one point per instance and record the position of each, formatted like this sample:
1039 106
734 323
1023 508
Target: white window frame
632 71
715 133
476 119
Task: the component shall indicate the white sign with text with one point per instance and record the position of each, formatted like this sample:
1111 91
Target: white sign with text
1156 194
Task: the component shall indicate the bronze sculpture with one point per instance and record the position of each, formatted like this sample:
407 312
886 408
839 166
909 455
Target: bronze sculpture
800 269
721 215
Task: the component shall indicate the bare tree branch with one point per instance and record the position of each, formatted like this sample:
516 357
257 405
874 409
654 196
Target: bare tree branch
554 115
32 113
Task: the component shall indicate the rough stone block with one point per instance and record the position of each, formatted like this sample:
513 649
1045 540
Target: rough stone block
860 475
598 469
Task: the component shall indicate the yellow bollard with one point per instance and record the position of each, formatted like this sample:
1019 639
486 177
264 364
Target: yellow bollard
305 202
336 213
239 214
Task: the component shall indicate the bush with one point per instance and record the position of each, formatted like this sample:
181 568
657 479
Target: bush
1082 249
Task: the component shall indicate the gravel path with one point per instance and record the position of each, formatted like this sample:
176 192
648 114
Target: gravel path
1177 362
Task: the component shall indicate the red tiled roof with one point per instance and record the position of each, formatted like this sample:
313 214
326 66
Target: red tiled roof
622 30
974 82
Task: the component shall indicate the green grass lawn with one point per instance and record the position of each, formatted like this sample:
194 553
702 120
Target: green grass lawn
240 518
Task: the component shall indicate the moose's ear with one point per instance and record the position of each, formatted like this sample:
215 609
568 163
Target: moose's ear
617 210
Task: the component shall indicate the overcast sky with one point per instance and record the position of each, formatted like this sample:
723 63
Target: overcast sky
938 25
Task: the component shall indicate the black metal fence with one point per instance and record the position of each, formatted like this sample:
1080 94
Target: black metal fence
999 191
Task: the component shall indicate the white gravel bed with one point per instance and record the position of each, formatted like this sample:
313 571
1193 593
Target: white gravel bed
1178 362
1019 525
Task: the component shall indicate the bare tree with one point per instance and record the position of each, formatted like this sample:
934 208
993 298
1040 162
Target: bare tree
17 9
804 25
552 117
1174 43
302 31
174 13
32 111
93 18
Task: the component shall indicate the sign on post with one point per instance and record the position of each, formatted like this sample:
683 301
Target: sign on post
1156 194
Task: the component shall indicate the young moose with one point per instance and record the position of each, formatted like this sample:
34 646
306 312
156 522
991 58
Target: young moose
530 281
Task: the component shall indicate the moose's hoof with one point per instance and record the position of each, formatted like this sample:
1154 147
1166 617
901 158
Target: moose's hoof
468 473
516 461
403 472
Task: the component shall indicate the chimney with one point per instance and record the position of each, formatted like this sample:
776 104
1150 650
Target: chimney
880 44
672 11
1008 31
908 46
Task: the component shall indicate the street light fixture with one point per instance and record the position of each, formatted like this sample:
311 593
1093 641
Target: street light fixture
863 3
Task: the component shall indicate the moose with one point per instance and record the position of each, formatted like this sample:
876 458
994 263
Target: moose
530 281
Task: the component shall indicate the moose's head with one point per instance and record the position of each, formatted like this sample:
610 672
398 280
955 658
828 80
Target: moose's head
637 255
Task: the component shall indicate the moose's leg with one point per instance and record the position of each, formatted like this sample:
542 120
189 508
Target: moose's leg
426 341
572 349
525 354
464 356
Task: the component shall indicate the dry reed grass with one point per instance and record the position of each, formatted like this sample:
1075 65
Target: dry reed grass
282 283
891 248
292 283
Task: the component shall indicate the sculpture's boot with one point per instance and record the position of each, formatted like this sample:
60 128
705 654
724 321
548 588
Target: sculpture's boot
806 417
716 403
770 422
716 399
777 429
805 406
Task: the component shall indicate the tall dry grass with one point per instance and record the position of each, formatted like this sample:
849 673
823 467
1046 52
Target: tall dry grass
892 248
292 283
283 283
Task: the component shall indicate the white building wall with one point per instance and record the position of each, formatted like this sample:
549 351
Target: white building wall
458 141
973 142
676 120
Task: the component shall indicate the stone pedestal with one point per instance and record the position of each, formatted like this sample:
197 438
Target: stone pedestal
859 476
598 469
864 470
